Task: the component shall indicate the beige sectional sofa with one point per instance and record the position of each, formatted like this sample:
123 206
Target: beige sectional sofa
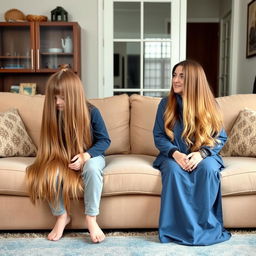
132 187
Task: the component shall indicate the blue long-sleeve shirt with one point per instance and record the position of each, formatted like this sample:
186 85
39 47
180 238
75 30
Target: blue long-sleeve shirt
164 143
100 137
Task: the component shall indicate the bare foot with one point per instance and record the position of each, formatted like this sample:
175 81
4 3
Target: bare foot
95 231
59 227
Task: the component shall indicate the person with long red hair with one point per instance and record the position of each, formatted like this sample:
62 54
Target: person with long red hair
189 134
70 156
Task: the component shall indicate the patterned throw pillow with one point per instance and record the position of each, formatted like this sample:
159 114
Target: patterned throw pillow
14 140
242 138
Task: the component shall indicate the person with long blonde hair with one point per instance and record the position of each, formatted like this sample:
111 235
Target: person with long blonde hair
70 156
189 135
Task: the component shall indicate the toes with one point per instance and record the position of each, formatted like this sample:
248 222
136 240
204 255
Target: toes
50 236
56 238
94 239
101 237
98 238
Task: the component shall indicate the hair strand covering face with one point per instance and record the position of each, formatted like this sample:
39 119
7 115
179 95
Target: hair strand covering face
201 116
64 134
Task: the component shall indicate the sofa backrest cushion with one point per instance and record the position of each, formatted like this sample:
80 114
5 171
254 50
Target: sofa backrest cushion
30 109
230 107
115 111
143 114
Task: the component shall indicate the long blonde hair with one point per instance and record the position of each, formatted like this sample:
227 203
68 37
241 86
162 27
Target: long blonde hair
201 117
64 134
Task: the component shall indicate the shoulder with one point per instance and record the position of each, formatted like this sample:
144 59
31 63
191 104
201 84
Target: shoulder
92 109
94 113
161 107
163 102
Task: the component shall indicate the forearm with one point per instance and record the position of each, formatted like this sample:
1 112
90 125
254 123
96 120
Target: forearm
221 140
99 147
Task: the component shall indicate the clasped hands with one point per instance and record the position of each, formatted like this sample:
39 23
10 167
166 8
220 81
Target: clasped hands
187 162
77 162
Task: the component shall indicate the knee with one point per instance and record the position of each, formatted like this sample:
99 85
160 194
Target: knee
92 168
169 167
208 166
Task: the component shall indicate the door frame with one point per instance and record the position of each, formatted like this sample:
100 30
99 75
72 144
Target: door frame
223 62
105 58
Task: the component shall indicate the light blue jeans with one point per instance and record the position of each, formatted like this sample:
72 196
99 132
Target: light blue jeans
92 176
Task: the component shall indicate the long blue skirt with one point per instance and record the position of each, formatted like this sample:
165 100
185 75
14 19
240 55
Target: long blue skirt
191 210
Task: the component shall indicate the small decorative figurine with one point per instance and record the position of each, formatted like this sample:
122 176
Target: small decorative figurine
59 14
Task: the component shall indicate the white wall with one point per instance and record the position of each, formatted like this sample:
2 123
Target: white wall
203 10
85 12
225 7
246 68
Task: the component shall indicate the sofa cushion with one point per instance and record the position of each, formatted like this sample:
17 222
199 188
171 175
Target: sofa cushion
239 176
143 114
242 138
12 175
134 174
230 107
124 174
115 111
30 109
14 139
131 174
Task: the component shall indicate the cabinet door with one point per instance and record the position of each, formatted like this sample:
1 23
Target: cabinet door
16 47
57 43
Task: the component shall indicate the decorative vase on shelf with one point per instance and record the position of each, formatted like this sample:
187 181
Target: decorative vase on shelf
67 44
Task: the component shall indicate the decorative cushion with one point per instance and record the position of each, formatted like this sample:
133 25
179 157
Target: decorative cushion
242 138
30 110
14 140
230 107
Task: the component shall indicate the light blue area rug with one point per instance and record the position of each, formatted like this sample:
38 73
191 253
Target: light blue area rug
238 245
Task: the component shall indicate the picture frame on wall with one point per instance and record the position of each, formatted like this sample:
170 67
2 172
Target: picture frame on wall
251 30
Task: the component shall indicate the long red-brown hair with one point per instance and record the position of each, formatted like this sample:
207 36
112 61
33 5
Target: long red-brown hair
202 119
64 134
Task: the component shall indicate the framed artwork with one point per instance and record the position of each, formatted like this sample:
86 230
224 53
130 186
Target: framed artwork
15 88
251 29
27 88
